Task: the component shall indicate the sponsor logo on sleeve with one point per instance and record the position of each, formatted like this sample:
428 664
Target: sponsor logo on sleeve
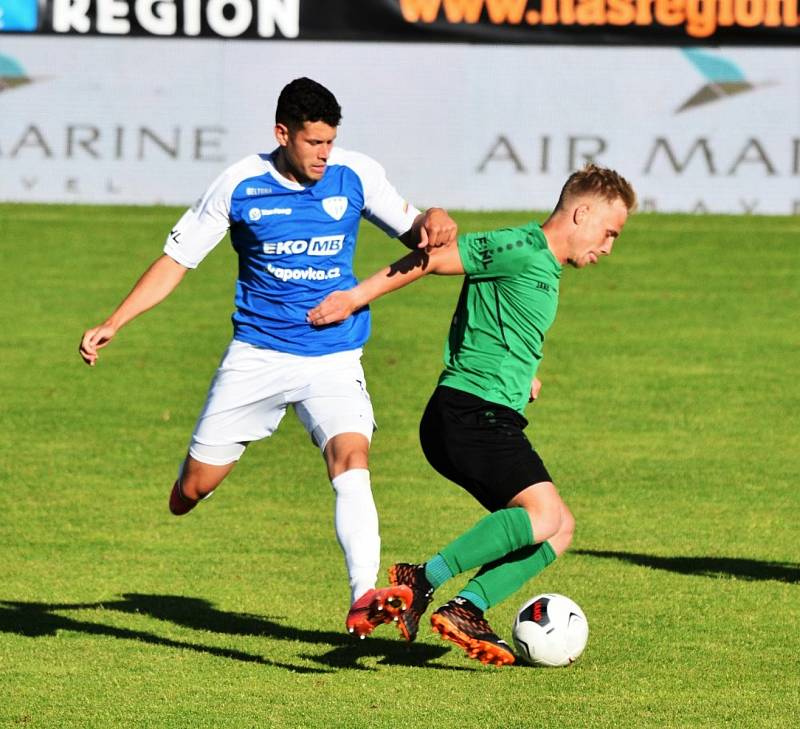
335 206
483 252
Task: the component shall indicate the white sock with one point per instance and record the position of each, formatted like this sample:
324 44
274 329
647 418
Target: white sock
356 522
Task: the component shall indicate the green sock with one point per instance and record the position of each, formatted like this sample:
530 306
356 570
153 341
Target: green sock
496 581
493 537
478 600
436 571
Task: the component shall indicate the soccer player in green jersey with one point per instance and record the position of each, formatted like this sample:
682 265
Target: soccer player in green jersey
472 430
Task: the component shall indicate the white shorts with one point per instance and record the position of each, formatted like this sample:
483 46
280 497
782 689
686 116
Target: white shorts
252 388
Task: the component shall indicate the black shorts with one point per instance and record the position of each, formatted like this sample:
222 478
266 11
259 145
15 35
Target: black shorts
480 446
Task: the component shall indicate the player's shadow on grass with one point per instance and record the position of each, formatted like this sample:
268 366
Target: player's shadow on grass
743 569
35 619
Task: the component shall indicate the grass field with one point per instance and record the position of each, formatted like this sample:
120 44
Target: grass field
669 418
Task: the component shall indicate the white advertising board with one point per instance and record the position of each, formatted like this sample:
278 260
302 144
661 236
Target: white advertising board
102 120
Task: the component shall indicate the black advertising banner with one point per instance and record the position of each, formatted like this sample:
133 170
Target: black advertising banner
616 22
621 22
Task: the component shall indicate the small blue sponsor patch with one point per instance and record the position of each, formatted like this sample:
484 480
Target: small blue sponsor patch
19 15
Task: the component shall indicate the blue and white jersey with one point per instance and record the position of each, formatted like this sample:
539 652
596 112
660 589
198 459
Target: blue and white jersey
295 245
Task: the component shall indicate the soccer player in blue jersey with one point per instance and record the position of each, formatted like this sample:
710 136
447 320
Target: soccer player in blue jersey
293 215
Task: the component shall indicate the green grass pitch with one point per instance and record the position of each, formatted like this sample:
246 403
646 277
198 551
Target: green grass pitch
668 416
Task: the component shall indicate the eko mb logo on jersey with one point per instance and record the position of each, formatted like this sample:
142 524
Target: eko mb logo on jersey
323 245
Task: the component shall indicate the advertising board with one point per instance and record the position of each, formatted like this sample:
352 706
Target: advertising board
489 127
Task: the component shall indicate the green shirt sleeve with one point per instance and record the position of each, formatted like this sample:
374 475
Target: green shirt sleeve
497 253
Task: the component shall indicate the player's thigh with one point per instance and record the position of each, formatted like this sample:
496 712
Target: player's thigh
335 400
439 440
481 446
508 461
246 401
452 446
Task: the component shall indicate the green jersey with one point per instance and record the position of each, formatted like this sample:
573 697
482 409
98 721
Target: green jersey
507 303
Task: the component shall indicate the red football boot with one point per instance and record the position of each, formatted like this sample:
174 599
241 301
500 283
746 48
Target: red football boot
376 607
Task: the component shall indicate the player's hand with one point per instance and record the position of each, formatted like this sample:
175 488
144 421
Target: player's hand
335 307
536 385
94 339
436 229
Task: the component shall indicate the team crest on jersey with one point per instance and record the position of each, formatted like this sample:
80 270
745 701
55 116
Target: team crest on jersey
335 206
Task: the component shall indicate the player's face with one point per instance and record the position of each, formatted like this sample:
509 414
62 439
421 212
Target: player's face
305 150
598 222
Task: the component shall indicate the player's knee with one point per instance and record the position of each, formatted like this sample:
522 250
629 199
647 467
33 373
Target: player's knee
567 526
200 479
345 453
347 462
193 488
545 520
562 539
544 507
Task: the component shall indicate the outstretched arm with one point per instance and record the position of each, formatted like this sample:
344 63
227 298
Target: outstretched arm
154 286
341 304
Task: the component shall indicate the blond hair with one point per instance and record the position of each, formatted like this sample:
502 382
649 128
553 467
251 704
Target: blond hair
598 182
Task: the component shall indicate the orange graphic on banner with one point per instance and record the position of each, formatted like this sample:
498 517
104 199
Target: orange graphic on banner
464 11
700 18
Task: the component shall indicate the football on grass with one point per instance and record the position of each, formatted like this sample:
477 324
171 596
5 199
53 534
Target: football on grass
550 630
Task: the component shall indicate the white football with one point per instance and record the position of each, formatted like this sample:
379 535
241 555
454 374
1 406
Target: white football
550 630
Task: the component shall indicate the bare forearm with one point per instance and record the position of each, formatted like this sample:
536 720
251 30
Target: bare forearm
156 283
415 265
154 286
398 274
340 304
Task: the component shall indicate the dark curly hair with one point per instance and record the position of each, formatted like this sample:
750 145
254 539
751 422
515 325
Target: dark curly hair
305 100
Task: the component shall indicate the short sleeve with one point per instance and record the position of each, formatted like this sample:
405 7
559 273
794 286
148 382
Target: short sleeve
383 205
497 253
203 225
